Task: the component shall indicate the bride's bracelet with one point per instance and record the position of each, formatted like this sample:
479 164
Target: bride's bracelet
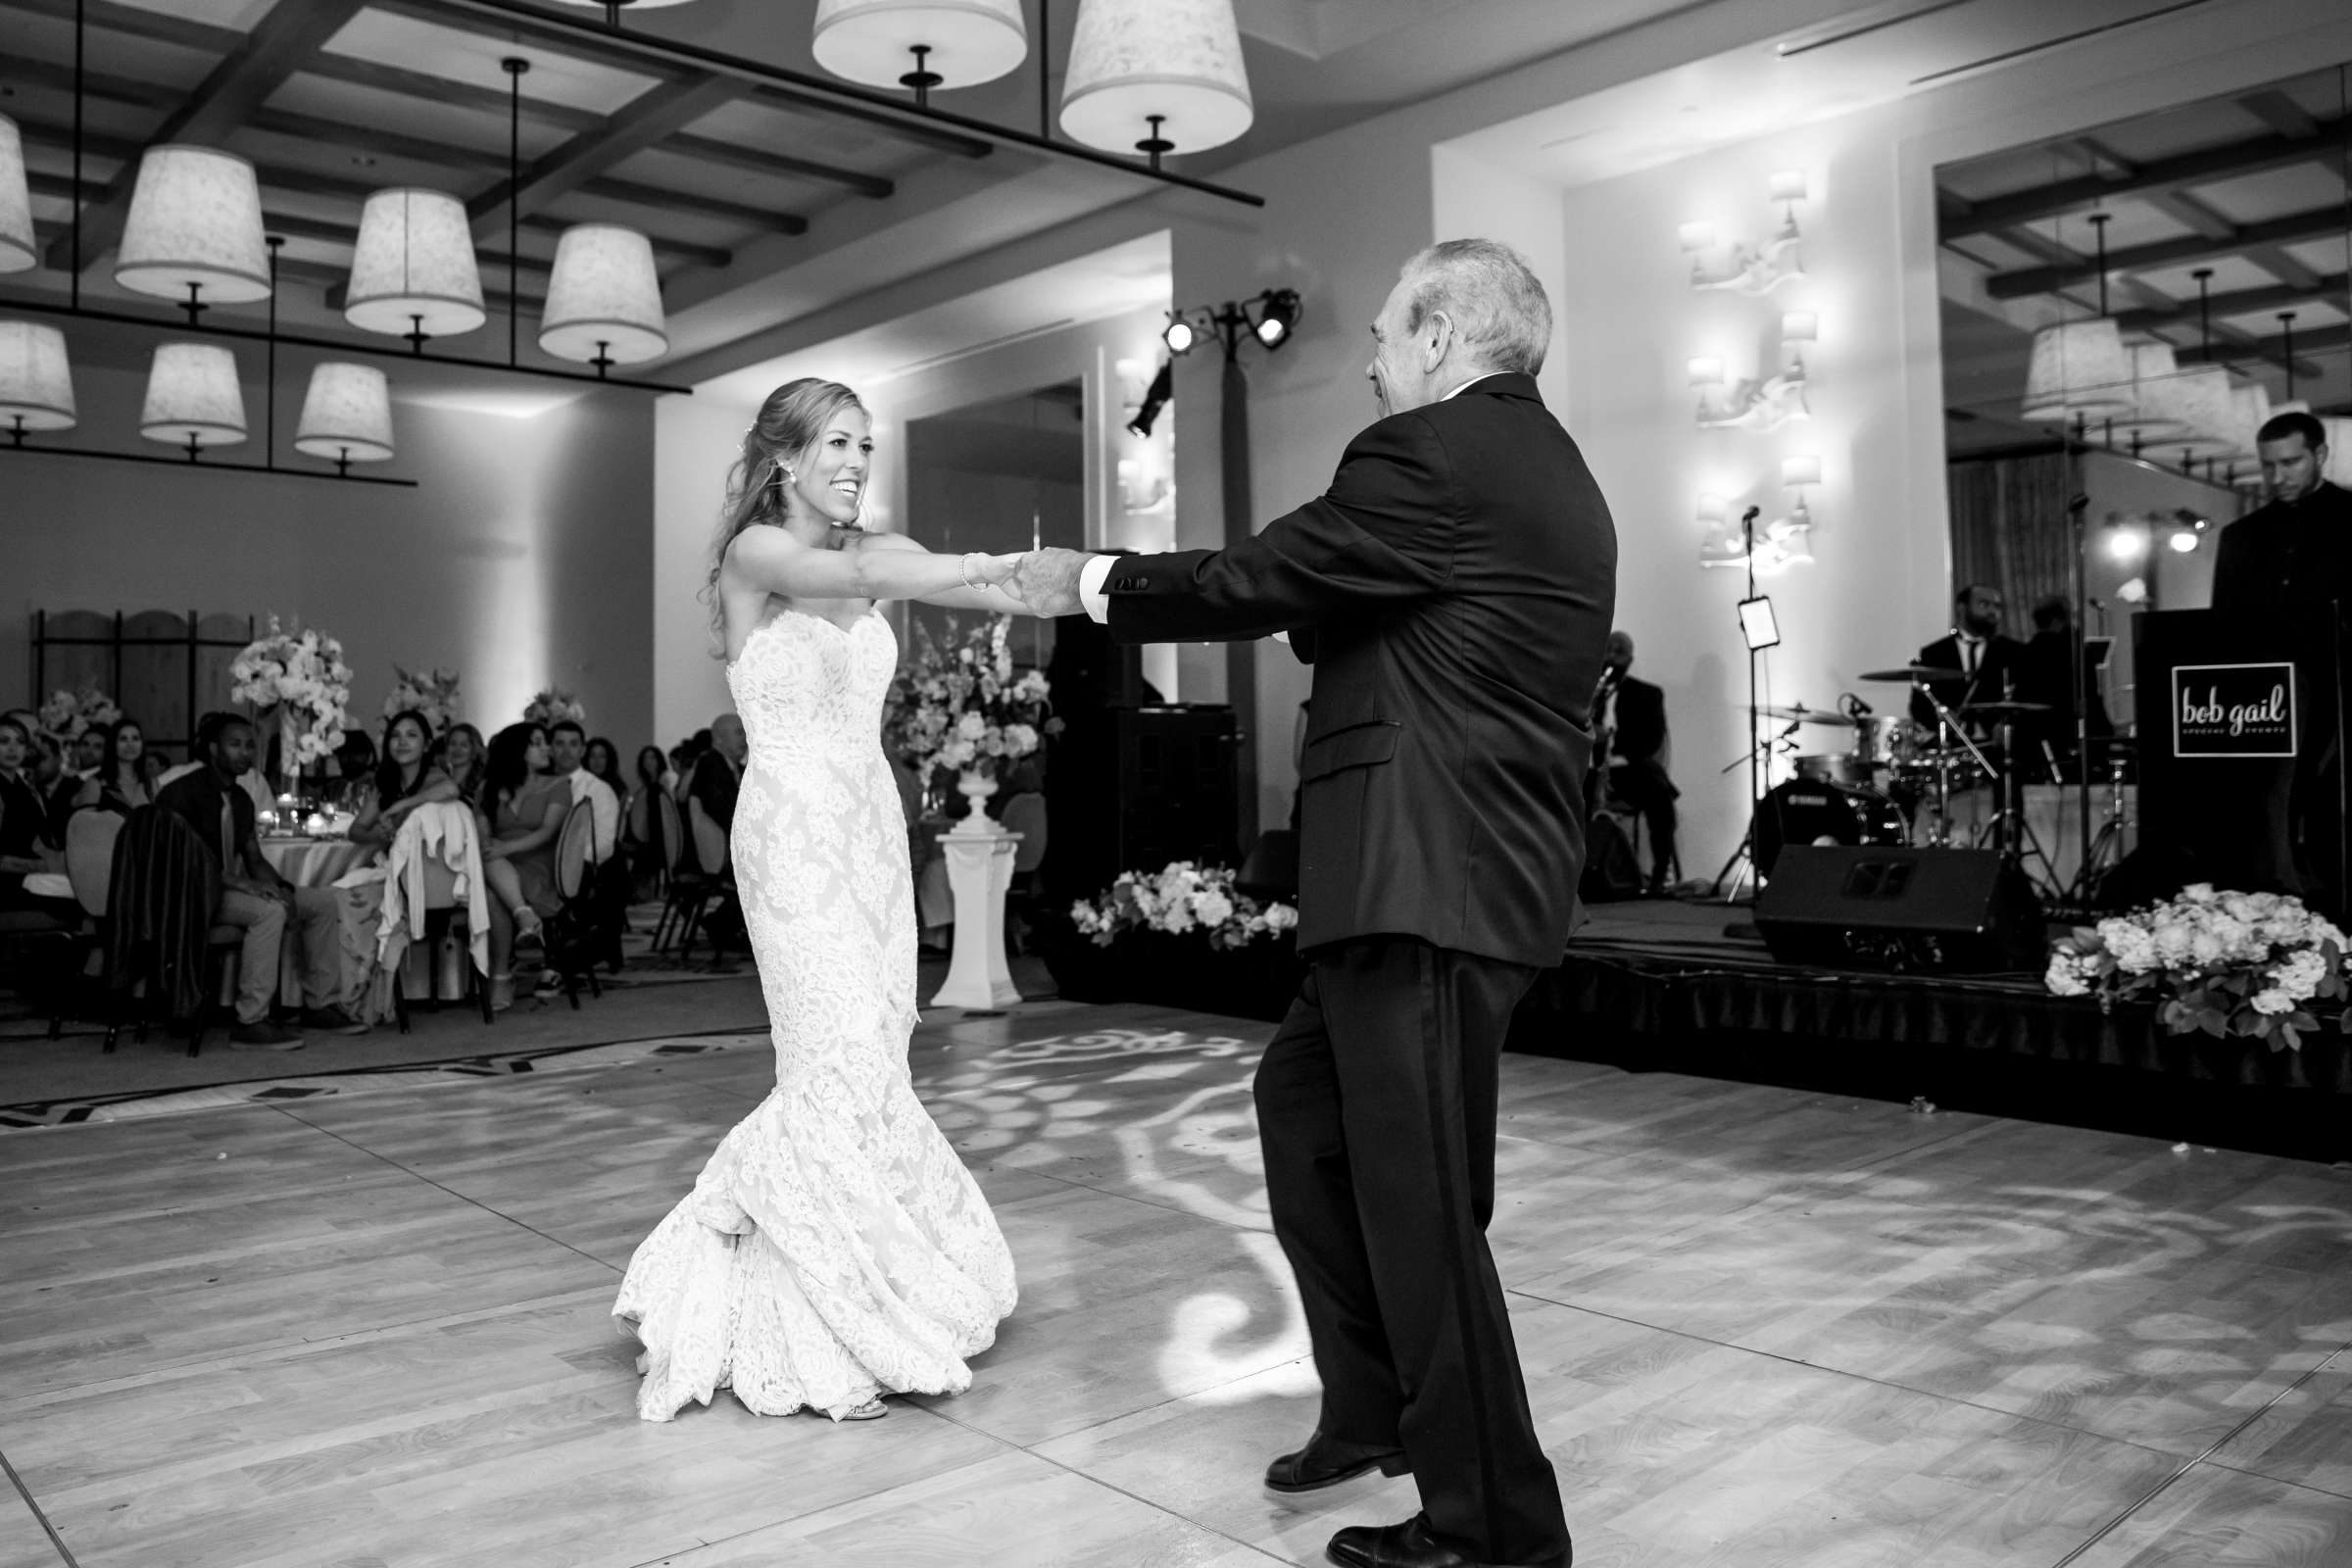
964 568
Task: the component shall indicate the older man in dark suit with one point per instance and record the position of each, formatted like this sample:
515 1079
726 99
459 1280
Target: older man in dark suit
1454 590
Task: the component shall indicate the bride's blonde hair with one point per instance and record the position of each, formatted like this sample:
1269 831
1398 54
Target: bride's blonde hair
790 421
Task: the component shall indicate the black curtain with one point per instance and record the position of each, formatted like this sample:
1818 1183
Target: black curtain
2010 529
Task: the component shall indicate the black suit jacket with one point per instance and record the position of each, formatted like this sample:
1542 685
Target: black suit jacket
715 783
1640 710
1453 589
2004 656
2286 556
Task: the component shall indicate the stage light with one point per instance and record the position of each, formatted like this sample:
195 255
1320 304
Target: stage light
1157 397
2127 544
1280 316
1178 335
2183 541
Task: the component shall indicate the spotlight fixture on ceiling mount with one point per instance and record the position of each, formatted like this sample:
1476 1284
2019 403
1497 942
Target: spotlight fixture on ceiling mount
1270 315
956 43
1155 397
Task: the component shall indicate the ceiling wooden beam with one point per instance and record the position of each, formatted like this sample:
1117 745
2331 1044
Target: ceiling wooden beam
2287 270
417 149
2284 115
2237 301
2081 192
94 83
2189 213
750 161
139 22
653 116
354 72
762 218
2274 348
2292 229
276 48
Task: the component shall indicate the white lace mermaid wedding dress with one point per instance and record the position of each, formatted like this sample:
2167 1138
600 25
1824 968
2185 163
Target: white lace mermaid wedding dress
834 1247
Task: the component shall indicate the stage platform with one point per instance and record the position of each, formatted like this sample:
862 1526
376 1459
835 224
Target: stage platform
1688 986
364 1321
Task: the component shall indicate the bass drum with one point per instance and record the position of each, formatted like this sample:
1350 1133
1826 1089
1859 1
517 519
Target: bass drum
1808 812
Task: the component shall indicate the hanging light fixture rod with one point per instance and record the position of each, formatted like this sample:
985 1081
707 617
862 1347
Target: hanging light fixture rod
338 346
718 63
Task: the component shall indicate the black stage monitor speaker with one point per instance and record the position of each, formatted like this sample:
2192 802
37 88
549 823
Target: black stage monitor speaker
1955 911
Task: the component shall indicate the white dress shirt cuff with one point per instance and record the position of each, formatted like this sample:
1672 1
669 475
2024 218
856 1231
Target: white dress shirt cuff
1091 596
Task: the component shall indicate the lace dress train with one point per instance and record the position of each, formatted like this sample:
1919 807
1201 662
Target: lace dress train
834 1247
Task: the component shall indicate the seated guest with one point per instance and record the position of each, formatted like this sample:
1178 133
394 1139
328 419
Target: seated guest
24 822
641 818
154 764
716 779
567 752
86 757
1633 712
521 811
403 781
252 896
460 754
603 758
681 768
355 758
118 784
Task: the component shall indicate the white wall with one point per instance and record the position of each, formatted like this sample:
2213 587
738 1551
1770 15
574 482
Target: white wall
521 559
696 439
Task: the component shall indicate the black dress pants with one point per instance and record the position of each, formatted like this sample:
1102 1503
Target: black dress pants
1376 1105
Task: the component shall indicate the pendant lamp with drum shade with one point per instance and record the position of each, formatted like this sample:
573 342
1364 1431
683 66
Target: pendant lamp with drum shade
412 271
919 44
1156 76
18 251
36 383
193 399
2146 425
346 416
2198 401
604 300
195 233
2078 371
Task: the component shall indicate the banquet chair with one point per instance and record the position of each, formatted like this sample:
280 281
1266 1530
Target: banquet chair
694 891
1024 813
573 940
446 921
91 838
163 888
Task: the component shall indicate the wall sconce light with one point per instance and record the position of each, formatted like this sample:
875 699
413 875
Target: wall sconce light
1739 266
1792 535
1749 405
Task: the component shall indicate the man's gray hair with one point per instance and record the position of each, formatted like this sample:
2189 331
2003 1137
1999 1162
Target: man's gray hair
1487 290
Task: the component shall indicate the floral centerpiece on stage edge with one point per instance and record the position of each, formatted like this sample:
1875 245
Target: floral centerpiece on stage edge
301 678
2228 963
552 704
434 694
67 716
1181 897
960 706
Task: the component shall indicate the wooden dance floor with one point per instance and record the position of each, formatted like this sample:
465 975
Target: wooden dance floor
1760 1326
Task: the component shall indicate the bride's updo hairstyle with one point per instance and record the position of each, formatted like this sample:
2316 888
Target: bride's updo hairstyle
792 421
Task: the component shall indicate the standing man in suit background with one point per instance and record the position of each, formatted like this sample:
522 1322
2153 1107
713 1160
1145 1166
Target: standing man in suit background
1974 647
1453 589
1632 713
2295 549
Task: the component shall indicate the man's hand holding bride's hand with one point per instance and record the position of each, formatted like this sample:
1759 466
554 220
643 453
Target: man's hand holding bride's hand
1047 581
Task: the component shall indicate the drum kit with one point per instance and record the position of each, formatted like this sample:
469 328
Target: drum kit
1895 771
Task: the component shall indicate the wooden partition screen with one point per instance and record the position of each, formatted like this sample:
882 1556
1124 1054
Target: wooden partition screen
162 668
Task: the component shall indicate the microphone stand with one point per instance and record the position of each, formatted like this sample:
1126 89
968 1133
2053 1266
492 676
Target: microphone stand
1755 748
2077 504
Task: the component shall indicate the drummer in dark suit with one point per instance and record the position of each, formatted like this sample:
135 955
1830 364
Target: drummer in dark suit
1987 661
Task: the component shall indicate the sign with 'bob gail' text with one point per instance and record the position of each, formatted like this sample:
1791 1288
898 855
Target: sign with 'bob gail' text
2233 709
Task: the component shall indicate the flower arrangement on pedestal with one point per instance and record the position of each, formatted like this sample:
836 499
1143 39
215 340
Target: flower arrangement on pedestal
2226 963
1179 899
552 704
434 694
67 716
301 679
960 706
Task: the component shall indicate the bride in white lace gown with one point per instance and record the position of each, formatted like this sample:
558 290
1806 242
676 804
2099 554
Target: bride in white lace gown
834 1249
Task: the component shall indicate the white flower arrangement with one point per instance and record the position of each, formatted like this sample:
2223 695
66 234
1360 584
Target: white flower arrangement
2228 963
434 694
304 678
552 704
67 716
1181 897
961 707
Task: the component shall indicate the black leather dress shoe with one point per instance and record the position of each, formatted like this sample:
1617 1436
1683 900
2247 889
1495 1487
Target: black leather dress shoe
1328 1461
1406 1545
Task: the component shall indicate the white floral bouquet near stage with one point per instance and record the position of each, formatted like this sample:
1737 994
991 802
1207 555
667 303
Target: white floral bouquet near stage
1182 898
434 694
551 705
67 716
961 707
2228 963
302 676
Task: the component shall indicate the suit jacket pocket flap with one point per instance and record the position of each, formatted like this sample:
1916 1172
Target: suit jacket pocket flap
1357 746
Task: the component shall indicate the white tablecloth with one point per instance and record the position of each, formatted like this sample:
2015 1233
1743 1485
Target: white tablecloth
314 862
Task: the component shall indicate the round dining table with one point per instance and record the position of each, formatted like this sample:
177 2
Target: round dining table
309 862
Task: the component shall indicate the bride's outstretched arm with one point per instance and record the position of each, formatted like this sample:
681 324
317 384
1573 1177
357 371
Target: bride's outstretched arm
875 567
995 595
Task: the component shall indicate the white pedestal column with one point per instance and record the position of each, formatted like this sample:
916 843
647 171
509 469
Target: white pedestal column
979 872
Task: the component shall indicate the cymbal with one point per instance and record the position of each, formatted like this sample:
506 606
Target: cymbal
1805 715
1908 674
2001 709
